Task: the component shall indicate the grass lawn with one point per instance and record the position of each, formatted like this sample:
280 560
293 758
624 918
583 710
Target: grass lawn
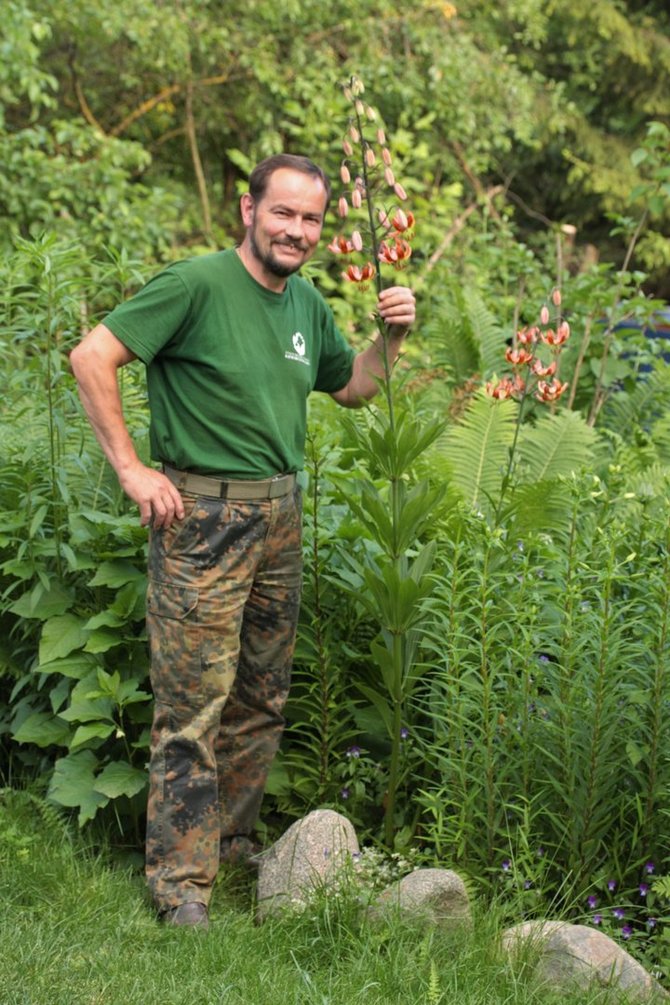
75 930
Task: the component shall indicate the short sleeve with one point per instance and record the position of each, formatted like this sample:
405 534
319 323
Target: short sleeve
336 361
150 319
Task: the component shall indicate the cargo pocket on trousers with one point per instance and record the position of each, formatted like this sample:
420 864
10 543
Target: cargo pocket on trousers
175 641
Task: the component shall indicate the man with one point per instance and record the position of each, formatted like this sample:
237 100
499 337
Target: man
233 343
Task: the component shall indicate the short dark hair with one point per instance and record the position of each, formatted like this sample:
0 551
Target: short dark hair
260 176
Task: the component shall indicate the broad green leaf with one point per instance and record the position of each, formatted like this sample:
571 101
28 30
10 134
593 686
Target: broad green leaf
44 730
77 665
116 573
120 779
60 636
72 784
102 640
91 731
43 604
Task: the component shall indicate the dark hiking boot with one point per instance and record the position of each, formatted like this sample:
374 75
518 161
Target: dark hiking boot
191 915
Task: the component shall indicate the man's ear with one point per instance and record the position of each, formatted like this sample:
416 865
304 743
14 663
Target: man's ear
247 209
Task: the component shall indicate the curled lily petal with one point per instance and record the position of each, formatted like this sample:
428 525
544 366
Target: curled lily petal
527 336
540 370
550 391
518 357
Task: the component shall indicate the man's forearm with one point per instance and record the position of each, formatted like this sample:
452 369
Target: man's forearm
369 369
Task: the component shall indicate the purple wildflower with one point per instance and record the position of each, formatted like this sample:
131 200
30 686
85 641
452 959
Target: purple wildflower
611 885
404 733
506 865
649 868
344 794
644 889
597 919
651 922
592 901
619 913
626 932
354 751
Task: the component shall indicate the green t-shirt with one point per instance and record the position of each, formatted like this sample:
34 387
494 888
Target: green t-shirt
230 365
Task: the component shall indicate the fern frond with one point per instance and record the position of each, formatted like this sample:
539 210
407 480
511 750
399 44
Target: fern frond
540 506
453 347
487 333
558 444
478 449
648 399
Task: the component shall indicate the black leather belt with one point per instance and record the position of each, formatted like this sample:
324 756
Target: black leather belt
244 491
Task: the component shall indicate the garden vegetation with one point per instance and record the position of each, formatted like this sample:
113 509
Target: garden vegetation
482 672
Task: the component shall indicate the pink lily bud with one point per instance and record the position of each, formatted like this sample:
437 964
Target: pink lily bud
400 220
360 107
384 219
544 315
344 174
371 113
357 240
381 136
356 198
355 135
386 156
399 190
556 297
389 176
370 158
347 147
348 93
343 206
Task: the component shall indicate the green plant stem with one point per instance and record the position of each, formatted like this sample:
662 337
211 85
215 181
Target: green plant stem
507 477
395 492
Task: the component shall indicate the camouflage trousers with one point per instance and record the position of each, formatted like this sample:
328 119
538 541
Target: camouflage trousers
222 607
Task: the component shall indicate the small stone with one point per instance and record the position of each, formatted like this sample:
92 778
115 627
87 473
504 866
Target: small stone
436 895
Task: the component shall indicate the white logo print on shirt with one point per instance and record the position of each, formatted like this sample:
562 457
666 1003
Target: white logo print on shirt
300 347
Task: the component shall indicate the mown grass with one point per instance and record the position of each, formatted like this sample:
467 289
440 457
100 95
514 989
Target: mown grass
75 930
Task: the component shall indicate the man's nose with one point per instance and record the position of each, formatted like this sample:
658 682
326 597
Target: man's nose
295 228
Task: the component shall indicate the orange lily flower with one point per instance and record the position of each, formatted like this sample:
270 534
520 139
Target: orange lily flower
518 357
340 245
395 254
540 370
527 336
361 274
550 391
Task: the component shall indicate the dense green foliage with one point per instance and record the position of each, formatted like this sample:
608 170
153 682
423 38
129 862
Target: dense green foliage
482 669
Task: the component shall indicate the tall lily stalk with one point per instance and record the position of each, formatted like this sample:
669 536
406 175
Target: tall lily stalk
395 513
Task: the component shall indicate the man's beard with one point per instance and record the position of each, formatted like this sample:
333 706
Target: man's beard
268 260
